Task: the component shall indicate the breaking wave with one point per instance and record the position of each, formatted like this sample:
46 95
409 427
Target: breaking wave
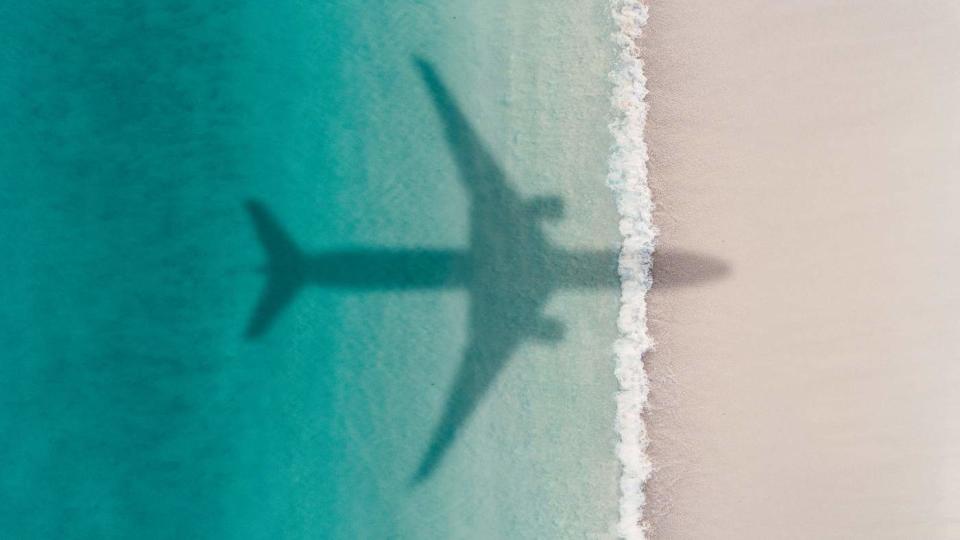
627 177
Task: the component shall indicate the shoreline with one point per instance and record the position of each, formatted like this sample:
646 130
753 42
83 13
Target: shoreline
627 178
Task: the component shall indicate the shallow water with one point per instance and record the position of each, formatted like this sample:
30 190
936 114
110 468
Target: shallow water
134 406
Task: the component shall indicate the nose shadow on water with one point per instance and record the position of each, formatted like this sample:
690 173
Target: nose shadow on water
510 269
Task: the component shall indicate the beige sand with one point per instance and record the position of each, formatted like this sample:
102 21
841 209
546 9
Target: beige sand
814 390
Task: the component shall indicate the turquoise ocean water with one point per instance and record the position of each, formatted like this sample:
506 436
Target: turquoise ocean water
133 136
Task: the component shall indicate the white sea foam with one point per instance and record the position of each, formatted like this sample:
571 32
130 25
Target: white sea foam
628 179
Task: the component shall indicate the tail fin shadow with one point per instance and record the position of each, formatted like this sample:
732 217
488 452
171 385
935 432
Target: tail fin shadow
285 270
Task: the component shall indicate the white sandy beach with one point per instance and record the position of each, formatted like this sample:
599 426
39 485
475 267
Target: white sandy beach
813 147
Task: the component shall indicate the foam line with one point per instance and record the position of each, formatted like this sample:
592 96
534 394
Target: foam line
627 177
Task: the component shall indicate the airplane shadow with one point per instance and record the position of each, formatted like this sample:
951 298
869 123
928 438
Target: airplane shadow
510 270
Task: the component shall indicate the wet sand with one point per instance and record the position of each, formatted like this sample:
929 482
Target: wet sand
811 389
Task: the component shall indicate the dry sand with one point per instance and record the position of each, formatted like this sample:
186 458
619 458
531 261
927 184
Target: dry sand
813 390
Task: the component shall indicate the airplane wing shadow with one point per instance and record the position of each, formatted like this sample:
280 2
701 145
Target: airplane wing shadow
513 270
505 296
477 371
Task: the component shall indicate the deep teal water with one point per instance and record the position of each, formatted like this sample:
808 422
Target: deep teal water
132 405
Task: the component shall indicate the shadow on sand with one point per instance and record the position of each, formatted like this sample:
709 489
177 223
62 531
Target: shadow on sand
510 269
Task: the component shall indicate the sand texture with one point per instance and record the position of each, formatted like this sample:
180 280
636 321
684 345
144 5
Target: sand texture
811 389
